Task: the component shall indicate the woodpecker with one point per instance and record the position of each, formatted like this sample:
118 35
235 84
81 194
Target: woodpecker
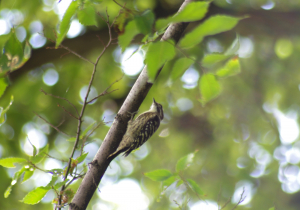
141 129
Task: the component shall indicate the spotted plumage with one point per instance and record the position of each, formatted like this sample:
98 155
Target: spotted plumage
140 130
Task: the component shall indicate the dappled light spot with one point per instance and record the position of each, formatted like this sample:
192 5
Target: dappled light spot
258 153
61 8
93 93
20 33
92 148
204 205
36 27
142 152
61 143
258 171
132 62
113 169
242 162
126 194
50 77
268 5
214 46
243 189
190 78
290 187
288 126
75 29
289 176
184 104
108 117
51 163
12 18
42 179
246 47
49 197
293 155
37 41
36 138
4 29
283 48
164 133
126 166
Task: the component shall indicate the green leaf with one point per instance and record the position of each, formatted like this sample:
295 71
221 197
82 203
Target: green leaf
27 51
180 66
192 12
273 208
14 55
180 182
232 50
184 162
87 15
211 60
81 157
65 23
3 111
41 155
59 184
209 88
27 175
36 195
145 21
195 187
159 175
10 162
158 53
3 85
34 148
52 182
169 181
19 173
7 191
131 30
232 67
211 26
72 139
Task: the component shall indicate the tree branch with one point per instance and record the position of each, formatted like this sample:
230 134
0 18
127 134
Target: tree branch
134 99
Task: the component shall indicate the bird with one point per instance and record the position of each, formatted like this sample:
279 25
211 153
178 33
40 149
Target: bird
140 130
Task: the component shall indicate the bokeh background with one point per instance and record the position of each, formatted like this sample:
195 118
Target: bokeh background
247 138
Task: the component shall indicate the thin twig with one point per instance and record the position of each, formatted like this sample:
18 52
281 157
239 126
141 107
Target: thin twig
55 158
51 125
67 111
62 99
226 203
123 7
62 121
188 186
101 94
242 198
177 204
85 102
87 136
68 49
75 178
75 53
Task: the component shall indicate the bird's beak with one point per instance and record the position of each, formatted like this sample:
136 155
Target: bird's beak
154 100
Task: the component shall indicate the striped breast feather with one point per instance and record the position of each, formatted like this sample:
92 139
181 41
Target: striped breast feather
148 129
